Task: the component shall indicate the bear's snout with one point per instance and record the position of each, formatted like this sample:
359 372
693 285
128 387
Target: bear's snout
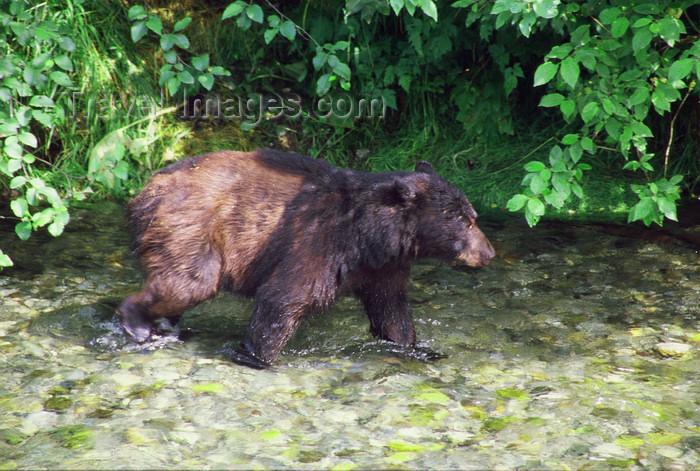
479 250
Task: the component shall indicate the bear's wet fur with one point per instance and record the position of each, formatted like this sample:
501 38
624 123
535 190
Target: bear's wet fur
295 233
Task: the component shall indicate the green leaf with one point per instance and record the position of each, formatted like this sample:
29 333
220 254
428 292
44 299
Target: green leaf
568 108
535 166
255 13
234 9
589 111
660 102
28 139
641 210
270 34
640 95
185 77
319 59
670 29
23 230
546 8
575 152
516 203
67 44
5 261
533 211
244 23
619 27
19 207
342 70
43 217
201 63
170 57
405 82
641 39
181 41
680 69
323 84
538 184
137 12
61 78
545 72
52 196
588 145
668 207
289 30
609 14
43 118
167 41
274 21
397 5
217 70
569 139
570 71
560 52
15 151
61 218
154 24
207 80
640 129
41 101
173 85
553 99
138 31
555 154
182 24
17 182
33 77
430 9
64 62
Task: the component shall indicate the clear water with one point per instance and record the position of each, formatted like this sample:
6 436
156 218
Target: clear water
573 350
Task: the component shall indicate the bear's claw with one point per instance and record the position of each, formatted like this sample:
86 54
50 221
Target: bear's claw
243 356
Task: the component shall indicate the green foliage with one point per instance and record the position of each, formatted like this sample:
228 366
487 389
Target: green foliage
35 87
605 66
611 80
618 62
176 72
58 86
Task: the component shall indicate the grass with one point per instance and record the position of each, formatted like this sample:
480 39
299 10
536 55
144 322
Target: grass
488 172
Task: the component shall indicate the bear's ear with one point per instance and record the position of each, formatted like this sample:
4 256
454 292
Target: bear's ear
424 167
405 189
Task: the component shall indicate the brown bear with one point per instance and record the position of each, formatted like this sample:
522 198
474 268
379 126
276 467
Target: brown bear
295 233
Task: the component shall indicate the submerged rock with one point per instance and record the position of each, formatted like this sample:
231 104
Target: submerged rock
672 349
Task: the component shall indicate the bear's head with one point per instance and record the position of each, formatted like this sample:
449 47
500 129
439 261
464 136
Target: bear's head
446 226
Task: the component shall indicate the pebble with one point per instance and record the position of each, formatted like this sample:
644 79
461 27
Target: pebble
36 421
672 349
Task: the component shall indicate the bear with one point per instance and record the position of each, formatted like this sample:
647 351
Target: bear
294 233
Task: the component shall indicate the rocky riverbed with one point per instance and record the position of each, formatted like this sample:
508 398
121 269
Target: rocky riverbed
574 349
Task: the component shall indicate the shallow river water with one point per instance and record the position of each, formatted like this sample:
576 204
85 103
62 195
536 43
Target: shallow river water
574 349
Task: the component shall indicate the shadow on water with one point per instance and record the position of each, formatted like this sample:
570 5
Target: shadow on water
578 346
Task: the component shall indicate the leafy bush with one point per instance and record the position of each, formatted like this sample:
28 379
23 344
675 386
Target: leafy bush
606 66
617 63
35 92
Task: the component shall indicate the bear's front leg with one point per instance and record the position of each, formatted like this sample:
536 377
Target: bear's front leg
385 299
